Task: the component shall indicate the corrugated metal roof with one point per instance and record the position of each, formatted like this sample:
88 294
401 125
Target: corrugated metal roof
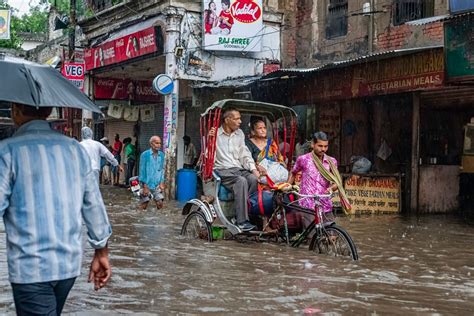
352 61
227 83
441 18
431 19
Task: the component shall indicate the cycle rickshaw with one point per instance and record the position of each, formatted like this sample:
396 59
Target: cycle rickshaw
203 216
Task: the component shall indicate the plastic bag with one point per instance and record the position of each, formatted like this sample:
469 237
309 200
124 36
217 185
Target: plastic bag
275 170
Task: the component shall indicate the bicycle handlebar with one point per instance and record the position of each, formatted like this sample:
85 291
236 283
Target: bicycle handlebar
315 196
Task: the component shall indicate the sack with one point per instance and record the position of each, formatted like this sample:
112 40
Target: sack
261 203
275 170
360 165
294 220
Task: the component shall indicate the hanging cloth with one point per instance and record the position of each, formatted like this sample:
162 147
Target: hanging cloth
333 176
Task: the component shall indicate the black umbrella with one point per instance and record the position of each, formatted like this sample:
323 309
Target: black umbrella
37 85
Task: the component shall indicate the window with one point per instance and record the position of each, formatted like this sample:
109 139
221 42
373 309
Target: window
408 10
100 5
336 22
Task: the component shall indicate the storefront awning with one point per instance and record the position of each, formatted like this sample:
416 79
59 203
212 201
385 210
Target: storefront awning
348 62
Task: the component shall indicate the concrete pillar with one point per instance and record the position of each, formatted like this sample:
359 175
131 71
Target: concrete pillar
173 29
415 153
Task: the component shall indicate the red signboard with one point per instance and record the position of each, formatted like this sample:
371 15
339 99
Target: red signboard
268 68
419 71
74 72
127 47
124 89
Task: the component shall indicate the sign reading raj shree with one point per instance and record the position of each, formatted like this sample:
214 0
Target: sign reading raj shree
232 25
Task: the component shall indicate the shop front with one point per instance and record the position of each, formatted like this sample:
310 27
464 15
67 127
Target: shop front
386 108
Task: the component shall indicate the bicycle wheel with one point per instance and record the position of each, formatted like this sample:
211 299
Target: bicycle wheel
334 241
195 226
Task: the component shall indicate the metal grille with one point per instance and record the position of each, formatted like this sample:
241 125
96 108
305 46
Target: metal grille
336 24
409 10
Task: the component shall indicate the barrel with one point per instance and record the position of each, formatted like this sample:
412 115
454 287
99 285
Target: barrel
186 184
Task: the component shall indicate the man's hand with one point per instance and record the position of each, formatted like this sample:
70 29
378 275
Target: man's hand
262 170
212 132
100 271
120 168
256 173
162 186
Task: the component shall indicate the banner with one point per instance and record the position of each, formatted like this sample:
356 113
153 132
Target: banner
5 24
124 89
233 25
75 73
124 48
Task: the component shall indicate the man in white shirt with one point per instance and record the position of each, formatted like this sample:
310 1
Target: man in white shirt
190 155
95 150
235 165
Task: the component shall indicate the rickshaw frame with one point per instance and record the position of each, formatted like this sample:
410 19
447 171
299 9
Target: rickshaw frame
211 185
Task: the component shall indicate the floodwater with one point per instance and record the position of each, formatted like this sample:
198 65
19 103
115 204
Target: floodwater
407 266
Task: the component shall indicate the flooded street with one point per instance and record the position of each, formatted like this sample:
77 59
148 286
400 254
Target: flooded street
407 266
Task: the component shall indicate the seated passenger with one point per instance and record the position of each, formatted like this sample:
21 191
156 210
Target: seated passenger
258 143
262 148
234 164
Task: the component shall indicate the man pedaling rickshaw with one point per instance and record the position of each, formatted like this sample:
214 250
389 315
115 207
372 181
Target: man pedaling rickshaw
235 165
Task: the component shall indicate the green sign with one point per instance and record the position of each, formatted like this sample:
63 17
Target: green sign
459 48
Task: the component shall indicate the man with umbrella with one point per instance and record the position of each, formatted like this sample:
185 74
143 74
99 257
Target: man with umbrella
46 188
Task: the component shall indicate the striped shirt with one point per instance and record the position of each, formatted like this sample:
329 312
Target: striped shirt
46 188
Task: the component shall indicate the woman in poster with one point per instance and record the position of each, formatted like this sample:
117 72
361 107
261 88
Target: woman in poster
210 17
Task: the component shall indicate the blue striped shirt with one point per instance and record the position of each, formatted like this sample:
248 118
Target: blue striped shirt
47 186
152 171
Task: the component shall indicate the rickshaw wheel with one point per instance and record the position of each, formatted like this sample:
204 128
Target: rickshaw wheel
195 226
334 241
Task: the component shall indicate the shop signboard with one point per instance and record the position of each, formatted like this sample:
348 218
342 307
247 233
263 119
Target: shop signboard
233 25
124 89
457 6
124 48
459 48
75 73
418 71
373 194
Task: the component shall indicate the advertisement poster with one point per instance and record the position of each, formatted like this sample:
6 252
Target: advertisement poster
124 89
4 24
124 48
233 25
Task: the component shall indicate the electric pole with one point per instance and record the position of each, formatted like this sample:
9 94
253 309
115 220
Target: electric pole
72 30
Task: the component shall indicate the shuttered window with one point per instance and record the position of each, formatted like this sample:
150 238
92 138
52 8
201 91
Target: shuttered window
336 22
409 10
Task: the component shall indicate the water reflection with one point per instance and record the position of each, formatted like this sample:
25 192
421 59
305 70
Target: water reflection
408 266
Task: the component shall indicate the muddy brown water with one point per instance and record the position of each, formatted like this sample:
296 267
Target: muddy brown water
407 266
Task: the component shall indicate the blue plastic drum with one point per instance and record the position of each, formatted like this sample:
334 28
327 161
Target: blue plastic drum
186 184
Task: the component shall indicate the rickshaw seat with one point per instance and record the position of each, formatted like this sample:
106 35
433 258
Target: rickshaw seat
225 194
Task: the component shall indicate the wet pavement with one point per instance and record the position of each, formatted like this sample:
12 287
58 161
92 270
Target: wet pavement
408 266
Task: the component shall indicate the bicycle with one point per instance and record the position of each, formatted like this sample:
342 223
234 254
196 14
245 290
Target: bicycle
327 237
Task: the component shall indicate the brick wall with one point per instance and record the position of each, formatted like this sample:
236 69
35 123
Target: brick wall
406 36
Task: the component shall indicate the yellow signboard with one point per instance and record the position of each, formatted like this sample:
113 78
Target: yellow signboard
4 24
368 194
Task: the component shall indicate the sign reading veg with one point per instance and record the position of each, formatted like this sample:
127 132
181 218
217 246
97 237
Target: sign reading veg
233 25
